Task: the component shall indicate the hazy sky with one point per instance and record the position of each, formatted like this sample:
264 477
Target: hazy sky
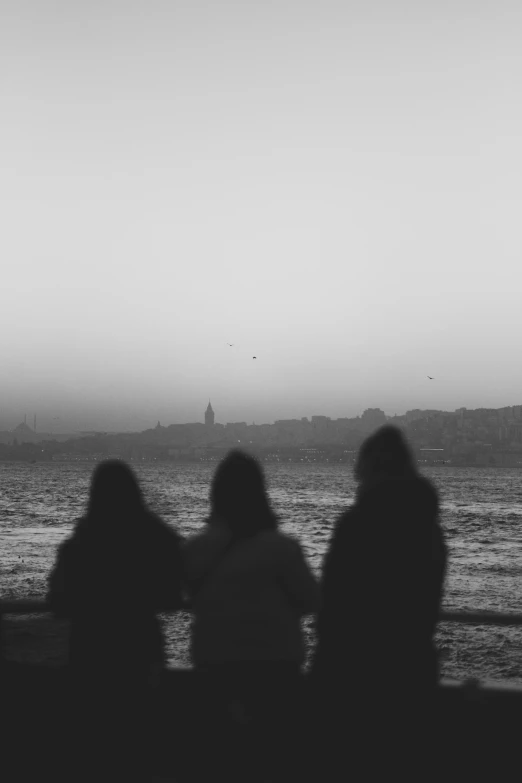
335 188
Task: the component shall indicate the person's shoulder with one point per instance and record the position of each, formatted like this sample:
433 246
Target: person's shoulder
346 526
285 544
276 537
78 536
162 531
213 538
348 516
422 484
212 531
347 520
66 549
73 546
201 548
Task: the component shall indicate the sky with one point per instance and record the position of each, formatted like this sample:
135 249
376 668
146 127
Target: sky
334 188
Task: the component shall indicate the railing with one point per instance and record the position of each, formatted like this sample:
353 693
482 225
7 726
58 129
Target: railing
30 606
491 688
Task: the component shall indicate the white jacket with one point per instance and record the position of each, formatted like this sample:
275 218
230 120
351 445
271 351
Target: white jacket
250 603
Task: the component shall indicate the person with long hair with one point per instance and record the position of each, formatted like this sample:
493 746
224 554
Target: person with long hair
119 568
382 581
249 585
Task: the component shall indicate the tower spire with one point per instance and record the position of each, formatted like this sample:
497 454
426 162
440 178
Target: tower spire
209 415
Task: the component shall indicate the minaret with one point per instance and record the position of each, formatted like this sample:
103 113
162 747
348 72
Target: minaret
209 415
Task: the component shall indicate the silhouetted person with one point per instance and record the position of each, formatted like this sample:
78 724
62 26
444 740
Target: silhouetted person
375 664
250 585
119 568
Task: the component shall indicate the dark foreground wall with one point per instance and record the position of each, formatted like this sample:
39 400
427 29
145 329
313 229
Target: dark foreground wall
474 732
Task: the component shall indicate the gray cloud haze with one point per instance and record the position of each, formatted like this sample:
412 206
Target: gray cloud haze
332 187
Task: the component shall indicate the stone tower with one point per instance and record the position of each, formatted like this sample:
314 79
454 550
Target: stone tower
209 415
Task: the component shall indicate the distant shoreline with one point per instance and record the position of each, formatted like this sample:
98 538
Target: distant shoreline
265 461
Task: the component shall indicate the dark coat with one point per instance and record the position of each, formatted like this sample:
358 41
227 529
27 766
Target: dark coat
111 581
381 589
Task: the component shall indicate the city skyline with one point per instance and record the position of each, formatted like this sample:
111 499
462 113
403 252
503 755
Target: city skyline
482 437
208 418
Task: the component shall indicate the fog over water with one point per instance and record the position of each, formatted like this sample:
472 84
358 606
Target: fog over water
332 187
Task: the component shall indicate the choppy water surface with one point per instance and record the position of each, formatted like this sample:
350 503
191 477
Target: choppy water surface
481 516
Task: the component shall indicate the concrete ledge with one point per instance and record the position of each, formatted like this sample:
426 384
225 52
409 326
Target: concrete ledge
472 729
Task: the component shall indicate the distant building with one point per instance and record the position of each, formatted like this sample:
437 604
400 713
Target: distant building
24 434
209 415
372 419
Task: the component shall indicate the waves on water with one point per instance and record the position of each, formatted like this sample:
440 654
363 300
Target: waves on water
481 515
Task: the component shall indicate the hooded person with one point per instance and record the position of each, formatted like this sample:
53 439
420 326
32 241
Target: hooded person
249 583
381 591
119 568
250 586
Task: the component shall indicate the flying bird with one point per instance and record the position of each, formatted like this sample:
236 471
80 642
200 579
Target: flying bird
231 344
254 357
431 379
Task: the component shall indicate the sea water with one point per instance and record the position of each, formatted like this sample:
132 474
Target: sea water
481 514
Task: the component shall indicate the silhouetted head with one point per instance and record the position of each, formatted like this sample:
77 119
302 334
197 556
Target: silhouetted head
115 492
384 455
238 496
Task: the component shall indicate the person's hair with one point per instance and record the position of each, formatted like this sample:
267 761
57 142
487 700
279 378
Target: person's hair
238 496
385 454
114 494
